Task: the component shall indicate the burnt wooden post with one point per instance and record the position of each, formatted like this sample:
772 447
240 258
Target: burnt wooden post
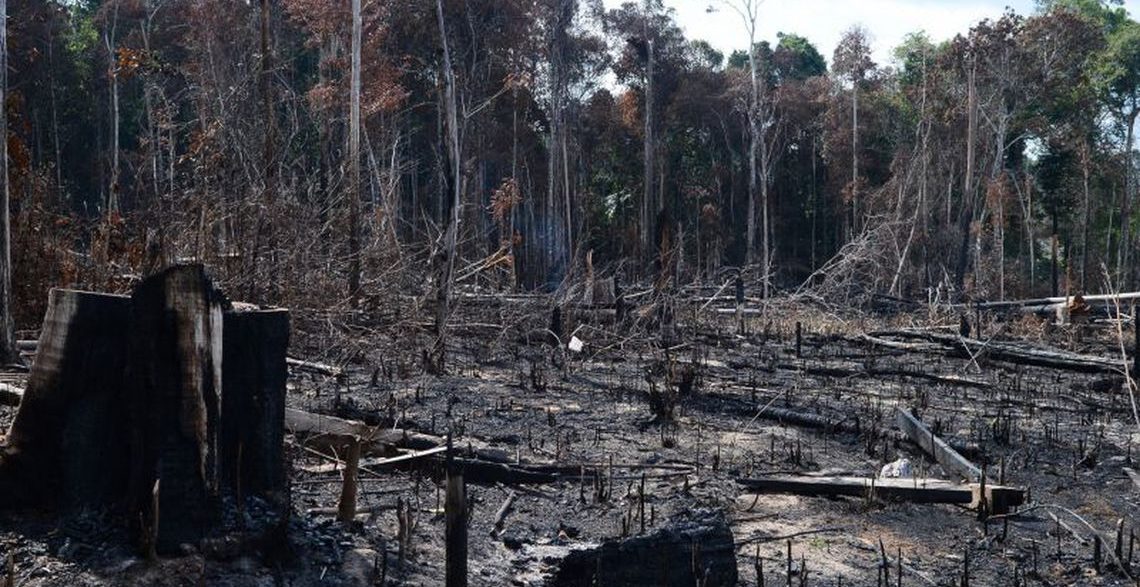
1096 552
346 509
799 339
619 302
67 442
1136 346
455 533
739 304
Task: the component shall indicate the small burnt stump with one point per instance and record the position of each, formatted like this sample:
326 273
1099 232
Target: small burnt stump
696 551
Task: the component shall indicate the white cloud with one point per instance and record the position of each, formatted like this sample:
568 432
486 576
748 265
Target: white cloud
824 21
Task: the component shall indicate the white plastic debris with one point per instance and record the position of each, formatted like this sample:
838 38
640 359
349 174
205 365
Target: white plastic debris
575 344
898 469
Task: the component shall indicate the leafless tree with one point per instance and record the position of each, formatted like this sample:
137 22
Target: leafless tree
447 271
354 163
759 155
7 337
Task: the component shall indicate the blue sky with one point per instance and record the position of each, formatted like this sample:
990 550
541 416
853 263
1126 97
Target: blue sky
823 21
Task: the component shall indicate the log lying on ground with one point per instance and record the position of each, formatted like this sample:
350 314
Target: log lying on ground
1106 299
318 368
696 551
821 422
1000 499
380 440
959 346
936 447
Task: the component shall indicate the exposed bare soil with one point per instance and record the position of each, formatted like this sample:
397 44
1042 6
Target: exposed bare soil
1065 436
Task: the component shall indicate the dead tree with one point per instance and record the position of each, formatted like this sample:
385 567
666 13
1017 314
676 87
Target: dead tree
447 269
7 336
354 164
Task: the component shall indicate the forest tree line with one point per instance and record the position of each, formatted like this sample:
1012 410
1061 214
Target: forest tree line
314 166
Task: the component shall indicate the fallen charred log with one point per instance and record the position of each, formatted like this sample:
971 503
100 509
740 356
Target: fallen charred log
999 499
960 346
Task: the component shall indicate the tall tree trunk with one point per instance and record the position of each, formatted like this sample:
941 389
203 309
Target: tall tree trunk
967 214
1086 219
443 296
765 225
1124 268
855 224
7 335
113 73
354 164
648 209
269 159
753 147
556 188
54 112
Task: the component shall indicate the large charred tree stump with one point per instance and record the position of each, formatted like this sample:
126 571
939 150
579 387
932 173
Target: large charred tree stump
167 405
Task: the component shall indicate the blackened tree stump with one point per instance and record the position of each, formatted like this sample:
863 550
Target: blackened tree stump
166 405
700 551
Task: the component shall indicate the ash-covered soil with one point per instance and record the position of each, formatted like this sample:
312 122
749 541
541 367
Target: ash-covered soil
1065 436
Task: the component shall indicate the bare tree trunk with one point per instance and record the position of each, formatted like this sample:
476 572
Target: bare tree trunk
569 253
265 81
1028 230
443 297
967 213
1124 257
558 180
113 73
648 209
753 143
855 224
7 336
1087 220
54 112
354 164
765 185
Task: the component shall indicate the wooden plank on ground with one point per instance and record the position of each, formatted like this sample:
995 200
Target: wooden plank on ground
936 447
1000 498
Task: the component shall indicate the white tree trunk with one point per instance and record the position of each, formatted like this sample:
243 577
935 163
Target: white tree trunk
113 73
354 162
7 338
649 210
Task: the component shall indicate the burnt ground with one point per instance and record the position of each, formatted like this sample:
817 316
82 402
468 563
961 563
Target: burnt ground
1065 436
